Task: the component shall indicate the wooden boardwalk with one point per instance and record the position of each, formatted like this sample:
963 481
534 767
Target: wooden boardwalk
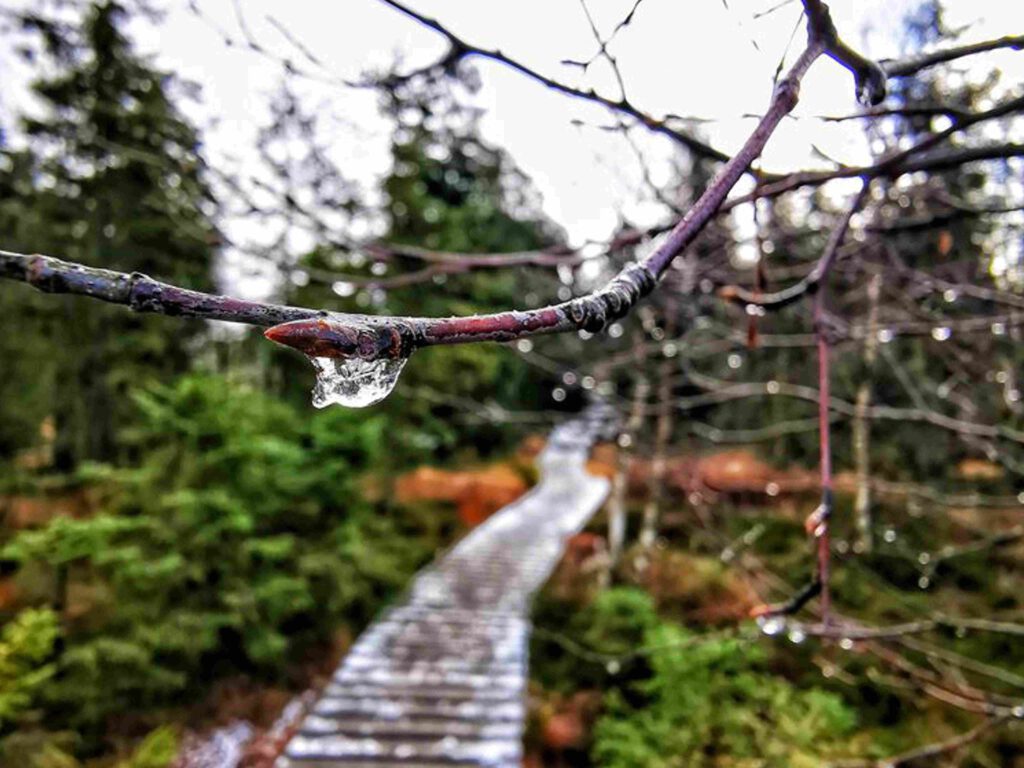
440 680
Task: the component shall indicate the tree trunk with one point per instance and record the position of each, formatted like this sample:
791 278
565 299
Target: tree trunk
624 459
862 426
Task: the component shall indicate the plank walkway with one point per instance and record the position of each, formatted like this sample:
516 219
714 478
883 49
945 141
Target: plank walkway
440 680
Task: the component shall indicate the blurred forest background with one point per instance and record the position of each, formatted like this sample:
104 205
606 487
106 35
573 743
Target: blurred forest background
185 543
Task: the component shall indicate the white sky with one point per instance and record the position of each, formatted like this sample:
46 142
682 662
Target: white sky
689 57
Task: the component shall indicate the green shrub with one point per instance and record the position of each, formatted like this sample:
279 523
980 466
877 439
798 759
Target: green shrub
713 703
238 540
26 644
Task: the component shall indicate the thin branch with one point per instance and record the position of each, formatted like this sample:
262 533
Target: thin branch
868 76
915 64
459 49
320 333
346 336
809 284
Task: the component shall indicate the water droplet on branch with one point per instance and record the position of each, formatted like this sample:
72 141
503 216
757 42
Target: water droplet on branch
771 625
354 382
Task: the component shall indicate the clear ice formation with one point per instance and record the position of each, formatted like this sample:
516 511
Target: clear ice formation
354 382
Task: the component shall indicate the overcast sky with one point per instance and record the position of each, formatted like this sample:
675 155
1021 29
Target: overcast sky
707 58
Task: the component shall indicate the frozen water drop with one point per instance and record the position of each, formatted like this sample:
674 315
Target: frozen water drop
354 382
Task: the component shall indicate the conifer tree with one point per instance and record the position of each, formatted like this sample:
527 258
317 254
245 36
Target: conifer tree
112 179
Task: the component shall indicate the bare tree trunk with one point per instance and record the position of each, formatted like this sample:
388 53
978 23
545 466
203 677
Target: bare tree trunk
862 427
624 459
662 434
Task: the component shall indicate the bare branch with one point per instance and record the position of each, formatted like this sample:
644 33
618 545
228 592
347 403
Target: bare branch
459 49
915 64
809 284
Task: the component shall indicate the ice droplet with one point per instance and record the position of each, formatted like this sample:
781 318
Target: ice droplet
354 382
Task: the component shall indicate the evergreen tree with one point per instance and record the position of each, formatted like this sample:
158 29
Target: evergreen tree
112 179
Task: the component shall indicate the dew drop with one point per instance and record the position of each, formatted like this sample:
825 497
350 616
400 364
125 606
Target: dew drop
354 382
613 667
998 329
771 625
846 644
797 635
941 333
343 289
734 361
885 335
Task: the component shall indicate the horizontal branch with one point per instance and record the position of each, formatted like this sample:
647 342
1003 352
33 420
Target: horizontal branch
911 160
141 292
914 64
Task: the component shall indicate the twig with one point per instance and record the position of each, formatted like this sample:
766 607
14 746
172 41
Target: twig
809 284
459 49
915 64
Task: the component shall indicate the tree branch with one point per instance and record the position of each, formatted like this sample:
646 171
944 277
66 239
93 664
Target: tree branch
319 333
459 49
915 64
809 284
